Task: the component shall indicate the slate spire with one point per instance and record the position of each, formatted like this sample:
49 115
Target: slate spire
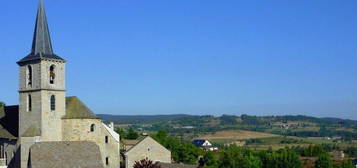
41 43
41 39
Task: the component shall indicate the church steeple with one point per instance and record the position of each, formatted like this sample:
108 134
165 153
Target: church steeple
41 44
41 39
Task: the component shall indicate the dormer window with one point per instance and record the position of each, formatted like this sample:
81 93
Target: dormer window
52 74
29 76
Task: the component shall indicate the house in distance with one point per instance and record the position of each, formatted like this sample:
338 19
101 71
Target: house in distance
204 144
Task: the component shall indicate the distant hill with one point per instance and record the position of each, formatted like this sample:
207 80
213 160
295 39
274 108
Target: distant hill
140 119
287 125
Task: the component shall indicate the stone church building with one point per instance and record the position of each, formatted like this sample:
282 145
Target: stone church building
48 129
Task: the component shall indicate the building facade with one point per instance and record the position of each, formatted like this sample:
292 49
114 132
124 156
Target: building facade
144 148
45 116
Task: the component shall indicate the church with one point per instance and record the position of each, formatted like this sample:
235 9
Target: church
48 129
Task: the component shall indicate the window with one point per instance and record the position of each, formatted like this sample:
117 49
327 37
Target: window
29 76
92 128
2 152
106 139
107 160
53 103
52 74
29 103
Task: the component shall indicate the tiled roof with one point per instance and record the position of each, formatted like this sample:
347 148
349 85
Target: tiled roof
65 155
114 134
198 142
9 118
75 109
9 122
131 143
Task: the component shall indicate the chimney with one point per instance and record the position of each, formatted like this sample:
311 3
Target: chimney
111 125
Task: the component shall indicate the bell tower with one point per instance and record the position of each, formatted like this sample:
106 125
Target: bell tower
41 87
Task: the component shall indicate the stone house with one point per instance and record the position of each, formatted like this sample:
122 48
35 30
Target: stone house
144 148
46 121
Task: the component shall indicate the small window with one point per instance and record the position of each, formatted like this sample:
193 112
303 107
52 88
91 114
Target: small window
2 152
53 103
92 128
107 160
29 103
106 139
52 74
29 76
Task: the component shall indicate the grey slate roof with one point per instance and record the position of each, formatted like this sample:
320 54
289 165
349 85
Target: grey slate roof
198 142
75 109
129 144
77 154
41 44
9 122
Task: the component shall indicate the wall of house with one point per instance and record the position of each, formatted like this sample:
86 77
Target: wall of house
79 130
24 149
7 151
147 149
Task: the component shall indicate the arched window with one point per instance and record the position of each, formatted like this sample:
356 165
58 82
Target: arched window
92 128
29 76
52 74
29 103
53 102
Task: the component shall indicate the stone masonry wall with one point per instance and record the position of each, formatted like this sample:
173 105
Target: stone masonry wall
147 149
79 130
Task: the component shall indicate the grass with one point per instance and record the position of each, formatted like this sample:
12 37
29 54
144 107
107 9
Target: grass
237 135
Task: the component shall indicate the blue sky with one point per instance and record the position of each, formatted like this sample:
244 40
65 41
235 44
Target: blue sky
195 57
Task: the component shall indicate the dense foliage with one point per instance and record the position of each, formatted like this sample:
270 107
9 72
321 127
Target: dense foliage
181 151
351 151
188 126
345 164
129 134
237 157
324 161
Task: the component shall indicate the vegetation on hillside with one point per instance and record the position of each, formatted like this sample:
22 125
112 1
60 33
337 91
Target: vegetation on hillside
188 127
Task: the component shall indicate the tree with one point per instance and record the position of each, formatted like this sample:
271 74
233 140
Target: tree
236 157
2 104
351 151
132 134
283 158
209 159
121 132
181 151
145 163
346 164
324 161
